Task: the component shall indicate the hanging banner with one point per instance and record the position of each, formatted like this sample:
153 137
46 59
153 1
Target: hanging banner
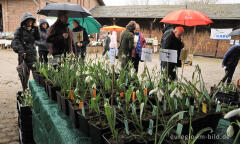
220 34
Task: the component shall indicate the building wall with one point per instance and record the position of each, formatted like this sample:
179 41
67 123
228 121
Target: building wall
13 10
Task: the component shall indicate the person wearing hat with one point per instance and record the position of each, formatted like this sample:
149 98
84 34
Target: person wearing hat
23 42
172 40
80 46
60 37
43 46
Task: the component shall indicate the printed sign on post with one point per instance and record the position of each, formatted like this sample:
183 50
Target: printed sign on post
146 55
168 55
220 34
78 36
112 55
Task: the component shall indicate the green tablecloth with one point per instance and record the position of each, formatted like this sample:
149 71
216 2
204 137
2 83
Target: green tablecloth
50 125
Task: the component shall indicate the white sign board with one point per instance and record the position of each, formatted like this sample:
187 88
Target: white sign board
236 42
220 34
168 55
146 55
231 42
112 56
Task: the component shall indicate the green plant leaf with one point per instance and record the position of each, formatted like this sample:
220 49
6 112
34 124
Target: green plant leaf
174 116
201 132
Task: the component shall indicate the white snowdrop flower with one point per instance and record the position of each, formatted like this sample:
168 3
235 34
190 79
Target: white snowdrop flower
94 86
230 131
59 60
57 70
173 93
123 56
132 72
179 95
153 91
159 95
71 67
232 113
77 73
88 79
62 65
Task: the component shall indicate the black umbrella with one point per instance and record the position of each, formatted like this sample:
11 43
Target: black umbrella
75 11
23 73
235 33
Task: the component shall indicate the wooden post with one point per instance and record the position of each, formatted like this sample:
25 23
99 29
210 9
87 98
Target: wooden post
151 26
114 21
216 48
193 36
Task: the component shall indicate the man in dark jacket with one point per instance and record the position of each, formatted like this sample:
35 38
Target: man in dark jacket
230 61
60 36
172 40
127 44
43 46
107 42
81 46
23 42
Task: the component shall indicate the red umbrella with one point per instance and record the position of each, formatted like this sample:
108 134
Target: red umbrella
187 18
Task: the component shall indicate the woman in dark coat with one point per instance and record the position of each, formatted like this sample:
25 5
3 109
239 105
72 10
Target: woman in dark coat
43 47
23 42
80 46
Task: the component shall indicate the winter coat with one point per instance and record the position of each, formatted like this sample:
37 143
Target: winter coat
126 47
42 44
143 44
169 41
107 42
24 39
59 45
113 42
232 56
85 41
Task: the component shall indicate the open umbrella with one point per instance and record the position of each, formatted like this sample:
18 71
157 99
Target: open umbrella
235 33
89 23
74 10
113 28
187 18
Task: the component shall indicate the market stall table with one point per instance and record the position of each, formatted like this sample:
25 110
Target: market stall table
50 125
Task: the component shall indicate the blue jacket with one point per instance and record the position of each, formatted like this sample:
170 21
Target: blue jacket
232 56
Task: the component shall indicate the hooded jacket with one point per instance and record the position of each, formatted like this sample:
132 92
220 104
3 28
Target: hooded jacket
59 45
24 40
42 44
232 56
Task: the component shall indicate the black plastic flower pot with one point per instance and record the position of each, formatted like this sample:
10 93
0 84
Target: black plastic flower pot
59 95
208 120
36 76
227 97
64 103
83 123
108 139
25 138
52 92
95 132
42 80
73 108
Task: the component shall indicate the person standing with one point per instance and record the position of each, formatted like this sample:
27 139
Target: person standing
126 49
23 43
60 37
43 47
140 43
230 62
172 40
107 42
81 46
